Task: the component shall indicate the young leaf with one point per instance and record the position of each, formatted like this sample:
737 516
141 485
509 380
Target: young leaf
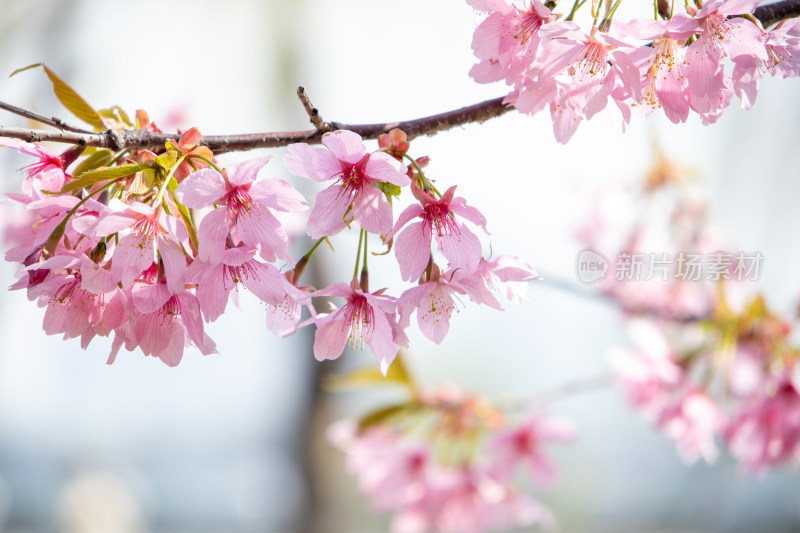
99 158
73 101
102 174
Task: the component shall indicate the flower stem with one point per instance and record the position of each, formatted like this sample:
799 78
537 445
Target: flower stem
303 262
358 253
207 161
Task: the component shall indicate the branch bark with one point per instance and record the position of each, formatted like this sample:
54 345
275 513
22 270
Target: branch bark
139 139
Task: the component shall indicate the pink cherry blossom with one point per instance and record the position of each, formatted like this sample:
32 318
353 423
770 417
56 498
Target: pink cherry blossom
167 322
506 42
659 388
144 238
766 432
524 444
71 309
782 45
721 36
434 302
215 281
283 317
245 209
46 174
458 244
575 74
354 195
661 65
365 318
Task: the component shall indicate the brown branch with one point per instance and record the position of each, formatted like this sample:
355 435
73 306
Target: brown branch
771 13
313 112
54 121
140 139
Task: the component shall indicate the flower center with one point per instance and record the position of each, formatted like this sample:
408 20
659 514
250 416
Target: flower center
359 319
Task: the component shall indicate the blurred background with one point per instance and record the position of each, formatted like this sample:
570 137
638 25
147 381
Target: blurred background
235 442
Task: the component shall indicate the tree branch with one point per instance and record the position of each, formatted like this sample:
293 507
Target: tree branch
771 13
140 139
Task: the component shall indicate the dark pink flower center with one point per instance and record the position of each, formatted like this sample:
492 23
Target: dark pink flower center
239 273
239 201
439 217
173 307
42 165
359 319
353 178
525 24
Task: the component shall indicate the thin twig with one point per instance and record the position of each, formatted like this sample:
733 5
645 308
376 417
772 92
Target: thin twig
54 121
140 139
313 112
559 392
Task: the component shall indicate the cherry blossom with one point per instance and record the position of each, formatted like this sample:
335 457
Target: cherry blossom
245 209
354 195
365 318
458 244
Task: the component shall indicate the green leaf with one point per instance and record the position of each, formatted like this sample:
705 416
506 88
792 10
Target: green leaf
389 189
99 158
91 177
385 414
185 215
70 99
116 113
167 160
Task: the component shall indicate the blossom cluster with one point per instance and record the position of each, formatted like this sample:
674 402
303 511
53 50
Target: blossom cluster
693 61
149 246
709 360
451 462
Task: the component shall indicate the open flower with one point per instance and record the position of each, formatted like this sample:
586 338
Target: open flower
354 195
245 209
458 244
365 318
215 281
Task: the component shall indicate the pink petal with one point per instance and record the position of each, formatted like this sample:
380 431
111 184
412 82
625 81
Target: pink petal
383 167
345 146
212 234
172 353
331 336
247 171
258 226
95 278
111 223
135 253
150 298
213 291
409 213
380 339
201 188
413 250
372 211
174 263
327 215
265 281
190 314
317 164
462 249
278 194
153 332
